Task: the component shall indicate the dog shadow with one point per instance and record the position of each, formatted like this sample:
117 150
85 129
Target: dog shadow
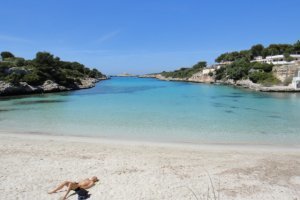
81 193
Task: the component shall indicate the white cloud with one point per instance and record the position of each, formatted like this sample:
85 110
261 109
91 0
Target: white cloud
108 36
8 38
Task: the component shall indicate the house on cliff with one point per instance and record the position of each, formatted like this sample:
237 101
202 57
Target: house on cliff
277 59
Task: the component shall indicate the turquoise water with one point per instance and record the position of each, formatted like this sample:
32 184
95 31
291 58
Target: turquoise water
149 109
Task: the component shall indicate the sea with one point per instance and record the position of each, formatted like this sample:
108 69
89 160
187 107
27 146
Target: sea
146 109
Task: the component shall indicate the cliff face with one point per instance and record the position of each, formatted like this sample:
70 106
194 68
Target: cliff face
200 77
285 73
47 87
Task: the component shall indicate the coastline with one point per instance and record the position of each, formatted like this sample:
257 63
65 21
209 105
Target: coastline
7 89
155 143
247 84
33 164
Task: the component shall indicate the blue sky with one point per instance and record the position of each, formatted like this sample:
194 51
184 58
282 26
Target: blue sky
143 36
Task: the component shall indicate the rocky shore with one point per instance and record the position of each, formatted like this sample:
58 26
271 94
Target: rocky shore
7 89
200 78
248 84
197 78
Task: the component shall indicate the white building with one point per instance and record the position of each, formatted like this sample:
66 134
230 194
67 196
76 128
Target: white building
277 59
206 71
296 81
221 64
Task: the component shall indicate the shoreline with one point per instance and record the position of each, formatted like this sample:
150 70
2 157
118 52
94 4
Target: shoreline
31 165
8 90
137 142
243 84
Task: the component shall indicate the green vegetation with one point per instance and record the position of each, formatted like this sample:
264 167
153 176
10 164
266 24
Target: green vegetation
263 78
243 69
6 54
260 50
185 72
43 67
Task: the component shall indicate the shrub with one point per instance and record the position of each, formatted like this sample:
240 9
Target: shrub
33 79
264 78
220 73
185 72
6 54
13 78
262 66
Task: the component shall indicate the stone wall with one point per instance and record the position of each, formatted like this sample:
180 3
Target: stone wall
286 72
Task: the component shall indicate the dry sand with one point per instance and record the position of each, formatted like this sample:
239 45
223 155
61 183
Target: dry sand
33 164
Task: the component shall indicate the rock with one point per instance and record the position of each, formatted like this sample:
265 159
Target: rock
17 70
5 87
279 89
199 77
48 86
87 83
247 84
202 77
22 88
148 76
226 82
51 86
286 72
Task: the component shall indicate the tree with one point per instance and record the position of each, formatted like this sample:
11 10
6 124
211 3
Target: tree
44 58
6 54
256 50
20 62
45 66
288 57
238 69
199 65
262 66
95 73
297 47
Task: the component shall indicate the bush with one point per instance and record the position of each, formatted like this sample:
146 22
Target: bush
6 54
13 78
263 78
262 66
33 79
221 73
238 69
185 72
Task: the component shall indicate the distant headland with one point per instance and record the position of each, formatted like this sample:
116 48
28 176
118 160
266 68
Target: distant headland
45 73
124 75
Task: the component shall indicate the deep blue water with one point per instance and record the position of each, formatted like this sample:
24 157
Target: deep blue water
149 109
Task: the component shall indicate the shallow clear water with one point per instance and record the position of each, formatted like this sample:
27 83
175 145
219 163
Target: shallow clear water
149 109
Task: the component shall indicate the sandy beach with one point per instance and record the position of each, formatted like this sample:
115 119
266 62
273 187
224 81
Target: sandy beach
31 165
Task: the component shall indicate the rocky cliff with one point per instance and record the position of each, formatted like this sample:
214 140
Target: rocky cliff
203 77
200 77
285 73
47 87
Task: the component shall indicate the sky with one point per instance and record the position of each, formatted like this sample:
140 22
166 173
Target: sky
144 36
